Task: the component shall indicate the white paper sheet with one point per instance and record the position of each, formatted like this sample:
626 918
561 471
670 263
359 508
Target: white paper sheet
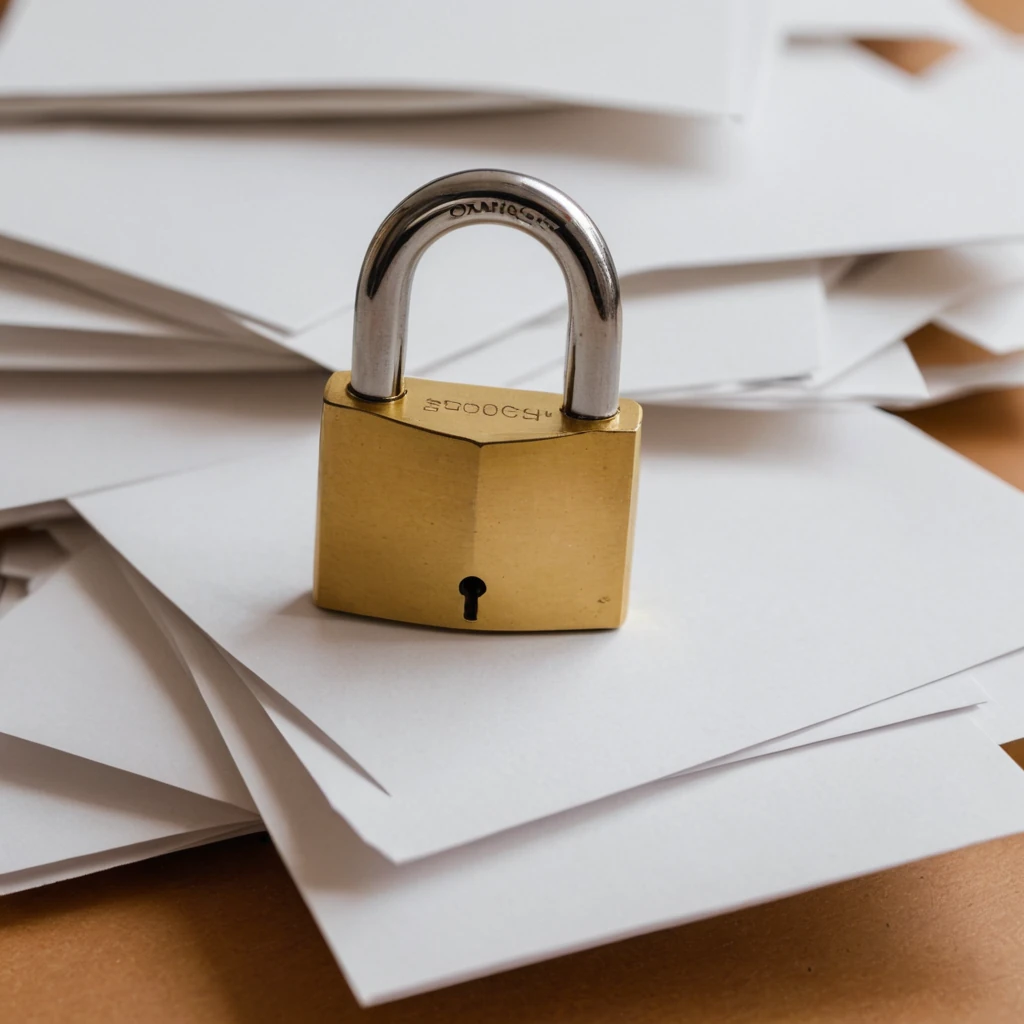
887 377
993 319
29 301
35 350
954 693
945 383
1002 717
677 57
47 324
344 786
889 373
86 671
671 852
65 434
56 807
949 20
685 328
848 155
76 867
773 552
892 296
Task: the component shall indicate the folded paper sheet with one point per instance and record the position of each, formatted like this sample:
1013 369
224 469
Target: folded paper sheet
321 57
668 853
848 155
854 569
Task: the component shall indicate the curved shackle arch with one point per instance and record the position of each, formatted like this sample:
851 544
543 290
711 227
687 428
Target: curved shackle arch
593 348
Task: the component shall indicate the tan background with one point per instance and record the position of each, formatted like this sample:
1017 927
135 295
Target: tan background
220 934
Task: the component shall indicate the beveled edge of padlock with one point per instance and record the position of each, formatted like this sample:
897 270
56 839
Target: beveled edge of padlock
460 410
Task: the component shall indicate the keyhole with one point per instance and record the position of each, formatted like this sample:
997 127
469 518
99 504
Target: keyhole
472 588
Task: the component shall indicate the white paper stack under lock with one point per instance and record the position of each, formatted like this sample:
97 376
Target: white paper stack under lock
817 651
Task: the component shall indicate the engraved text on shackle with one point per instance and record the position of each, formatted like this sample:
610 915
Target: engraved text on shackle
504 209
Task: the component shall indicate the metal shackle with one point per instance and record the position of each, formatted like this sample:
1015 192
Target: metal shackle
495 197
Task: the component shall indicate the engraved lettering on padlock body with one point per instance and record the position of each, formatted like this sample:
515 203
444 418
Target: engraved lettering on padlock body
473 507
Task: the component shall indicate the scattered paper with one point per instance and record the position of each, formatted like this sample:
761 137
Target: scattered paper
855 569
316 57
111 689
65 434
346 786
848 155
887 299
671 852
57 808
75 867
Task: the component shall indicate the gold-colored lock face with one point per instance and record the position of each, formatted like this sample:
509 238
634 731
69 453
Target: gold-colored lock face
424 498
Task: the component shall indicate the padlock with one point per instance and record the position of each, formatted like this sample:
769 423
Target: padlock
469 507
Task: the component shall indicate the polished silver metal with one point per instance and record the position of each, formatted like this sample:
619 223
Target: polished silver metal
593 348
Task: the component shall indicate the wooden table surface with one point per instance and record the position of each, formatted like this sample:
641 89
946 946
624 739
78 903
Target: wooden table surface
220 934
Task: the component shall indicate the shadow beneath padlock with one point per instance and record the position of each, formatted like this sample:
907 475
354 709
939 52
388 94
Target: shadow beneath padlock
347 628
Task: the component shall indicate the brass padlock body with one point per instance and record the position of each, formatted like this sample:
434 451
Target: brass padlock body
454 481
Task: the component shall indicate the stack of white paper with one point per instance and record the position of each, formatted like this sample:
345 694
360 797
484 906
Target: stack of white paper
75 800
418 772
785 187
822 648
321 58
